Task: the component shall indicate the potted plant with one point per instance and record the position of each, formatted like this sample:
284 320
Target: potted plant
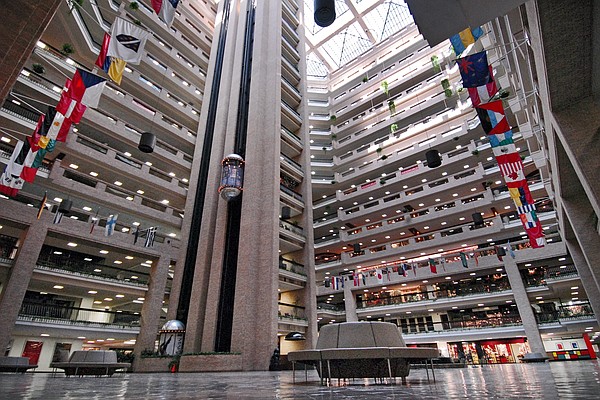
393 128
333 136
134 5
385 87
475 152
384 157
382 181
332 118
436 64
365 79
67 49
38 68
379 150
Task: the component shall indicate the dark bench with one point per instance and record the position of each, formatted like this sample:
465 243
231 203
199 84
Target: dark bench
15 364
93 362
362 350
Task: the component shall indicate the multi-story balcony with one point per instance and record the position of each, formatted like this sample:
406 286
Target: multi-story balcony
105 321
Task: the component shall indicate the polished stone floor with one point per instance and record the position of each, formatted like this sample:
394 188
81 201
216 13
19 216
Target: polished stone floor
561 380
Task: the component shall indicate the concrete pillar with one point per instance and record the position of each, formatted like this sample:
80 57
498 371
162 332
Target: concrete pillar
25 21
527 316
350 301
19 276
587 278
151 310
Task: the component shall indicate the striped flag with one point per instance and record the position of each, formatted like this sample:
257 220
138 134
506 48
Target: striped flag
150 234
42 205
464 38
94 222
483 94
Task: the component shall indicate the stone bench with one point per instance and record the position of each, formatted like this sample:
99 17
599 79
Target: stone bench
362 350
15 364
92 362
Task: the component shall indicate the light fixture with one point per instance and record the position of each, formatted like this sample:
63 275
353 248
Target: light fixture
147 142
324 12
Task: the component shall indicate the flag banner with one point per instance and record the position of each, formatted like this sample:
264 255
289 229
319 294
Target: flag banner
59 128
536 236
86 88
70 108
404 270
165 9
127 41
500 256
327 282
136 234
10 180
334 280
483 94
474 70
463 260
110 224
512 170
492 114
432 266
379 275
501 139
510 250
116 69
525 208
414 268
94 221
529 220
504 149
57 217
476 257
443 263
103 58
463 39
42 205
41 153
519 193
150 233
29 171
355 279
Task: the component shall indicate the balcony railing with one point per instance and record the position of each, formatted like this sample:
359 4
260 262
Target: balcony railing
567 313
96 271
291 266
436 294
78 316
460 325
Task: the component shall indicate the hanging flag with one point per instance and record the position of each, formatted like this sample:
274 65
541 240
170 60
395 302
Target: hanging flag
465 38
29 171
463 260
432 266
414 268
110 224
519 193
511 167
334 281
474 70
150 233
127 41
42 205
327 282
404 270
70 108
94 221
355 279
510 250
103 60
41 153
165 9
500 139
529 219
484 93
536 236
10 180
86 88
116 69
525 208
136 234
443 262
379 275
492 117
57 217
476 257
499 254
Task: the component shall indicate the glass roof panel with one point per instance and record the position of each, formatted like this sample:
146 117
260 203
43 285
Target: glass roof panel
359 25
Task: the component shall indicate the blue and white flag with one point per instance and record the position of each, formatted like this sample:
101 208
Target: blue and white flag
110 225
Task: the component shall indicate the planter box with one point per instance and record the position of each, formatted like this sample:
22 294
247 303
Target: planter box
211 363
152 364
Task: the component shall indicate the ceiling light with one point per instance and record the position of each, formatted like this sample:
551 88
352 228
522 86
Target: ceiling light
71 244
103 251
118 183
119 296
92 173
92 292
129 257
58 287
74 166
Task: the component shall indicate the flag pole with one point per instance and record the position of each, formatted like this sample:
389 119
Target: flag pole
8 134
26 103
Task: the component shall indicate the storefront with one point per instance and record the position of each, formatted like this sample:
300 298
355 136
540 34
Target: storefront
501 351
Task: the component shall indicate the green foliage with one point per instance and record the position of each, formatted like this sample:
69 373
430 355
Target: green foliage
134 5
332 118
333 136
384 157
435 61
385 87
365 79
393 128
445 84
475 152
67 48
137 22
392 107
38 68
448 92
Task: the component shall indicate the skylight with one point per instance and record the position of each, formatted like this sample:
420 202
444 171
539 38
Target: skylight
359 25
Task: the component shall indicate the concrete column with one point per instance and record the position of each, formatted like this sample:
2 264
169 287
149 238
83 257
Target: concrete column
585 273
350 302
19 276
151 310
527 317
25 21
